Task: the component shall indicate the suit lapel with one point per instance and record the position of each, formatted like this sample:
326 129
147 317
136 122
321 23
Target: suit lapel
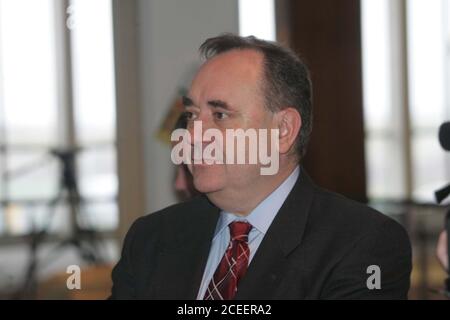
283 236
181 264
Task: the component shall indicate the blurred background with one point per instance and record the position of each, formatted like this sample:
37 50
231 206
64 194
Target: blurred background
89 90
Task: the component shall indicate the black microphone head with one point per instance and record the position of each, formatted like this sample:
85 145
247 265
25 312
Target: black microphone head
444 136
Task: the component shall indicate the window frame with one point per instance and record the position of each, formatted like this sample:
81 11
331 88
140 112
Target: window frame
66 121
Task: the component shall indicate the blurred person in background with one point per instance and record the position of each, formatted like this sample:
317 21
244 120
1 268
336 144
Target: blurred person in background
183 184
442 250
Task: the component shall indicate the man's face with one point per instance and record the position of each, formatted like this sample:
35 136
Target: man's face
226 94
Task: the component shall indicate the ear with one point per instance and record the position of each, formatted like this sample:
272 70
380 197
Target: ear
289 123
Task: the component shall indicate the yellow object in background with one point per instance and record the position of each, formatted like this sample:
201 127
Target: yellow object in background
173 114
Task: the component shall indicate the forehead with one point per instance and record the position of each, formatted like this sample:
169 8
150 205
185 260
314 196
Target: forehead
236 71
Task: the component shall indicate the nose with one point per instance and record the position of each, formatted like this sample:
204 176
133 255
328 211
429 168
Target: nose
197 137
197 130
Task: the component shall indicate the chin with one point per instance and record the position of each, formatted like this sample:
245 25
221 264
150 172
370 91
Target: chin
207 179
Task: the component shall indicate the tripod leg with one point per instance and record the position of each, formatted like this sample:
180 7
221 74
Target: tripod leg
36 238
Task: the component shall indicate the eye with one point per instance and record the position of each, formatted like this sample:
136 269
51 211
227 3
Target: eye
220 115
189 116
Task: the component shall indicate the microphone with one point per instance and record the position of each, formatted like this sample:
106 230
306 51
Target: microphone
444 136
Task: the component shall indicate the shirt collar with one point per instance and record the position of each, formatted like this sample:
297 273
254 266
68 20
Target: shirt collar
262 216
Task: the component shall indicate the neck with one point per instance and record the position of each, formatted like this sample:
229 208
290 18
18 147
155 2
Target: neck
243 202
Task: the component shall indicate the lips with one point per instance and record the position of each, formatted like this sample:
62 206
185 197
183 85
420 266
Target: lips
205 162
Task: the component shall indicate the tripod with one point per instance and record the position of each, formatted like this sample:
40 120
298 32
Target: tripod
85 240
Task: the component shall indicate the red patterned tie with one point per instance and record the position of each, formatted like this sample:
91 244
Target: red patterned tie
232 267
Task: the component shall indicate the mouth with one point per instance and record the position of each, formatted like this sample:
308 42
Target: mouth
204 163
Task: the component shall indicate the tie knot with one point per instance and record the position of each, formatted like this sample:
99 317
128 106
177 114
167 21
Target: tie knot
239 230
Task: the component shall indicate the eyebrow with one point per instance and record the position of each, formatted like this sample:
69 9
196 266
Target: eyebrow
218 104
187 102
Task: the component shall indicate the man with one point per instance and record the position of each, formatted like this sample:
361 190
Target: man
441 250
183 184
254 236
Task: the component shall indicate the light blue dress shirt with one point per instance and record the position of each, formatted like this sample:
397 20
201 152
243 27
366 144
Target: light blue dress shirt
260 218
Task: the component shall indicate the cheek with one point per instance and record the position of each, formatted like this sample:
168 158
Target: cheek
239 175
209 172
209 178
231 145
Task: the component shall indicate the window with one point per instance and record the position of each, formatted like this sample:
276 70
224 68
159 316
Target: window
94 105
30 112
257 18
428 103
428 52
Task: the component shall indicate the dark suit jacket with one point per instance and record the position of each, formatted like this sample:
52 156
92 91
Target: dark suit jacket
319 246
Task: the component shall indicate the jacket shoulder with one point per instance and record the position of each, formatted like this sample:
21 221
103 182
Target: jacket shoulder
341 210
178 215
